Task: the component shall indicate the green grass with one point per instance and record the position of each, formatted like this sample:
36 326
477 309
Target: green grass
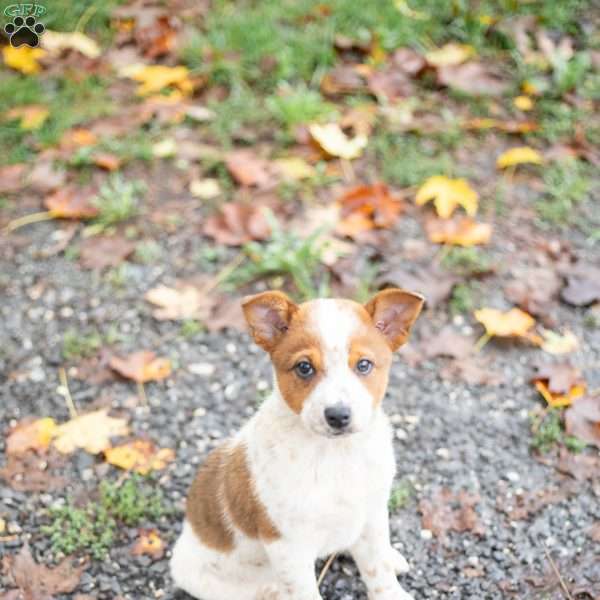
466 261
148 252
463 299
95 527
299 105
190 328
80 345
548 432
401 495
287 254
566 184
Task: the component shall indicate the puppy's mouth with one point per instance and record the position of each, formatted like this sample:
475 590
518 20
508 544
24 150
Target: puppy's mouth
339 433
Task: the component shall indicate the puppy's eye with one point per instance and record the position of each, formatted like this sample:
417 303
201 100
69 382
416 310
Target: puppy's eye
304 369
364 366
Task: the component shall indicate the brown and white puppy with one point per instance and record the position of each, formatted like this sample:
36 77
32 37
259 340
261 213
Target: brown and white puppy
310 474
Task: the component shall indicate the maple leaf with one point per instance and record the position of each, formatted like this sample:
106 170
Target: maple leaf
142 366
23 59
524 103
560 377
101 252
450 54
154 78
71 202
559 400
33 435
447 194
556 343
55 42
31 116
582 419
91 432
513 323
237 223
183 302
475 78
141 456
519 156
335 142
458 232
248 169
38 582
149 544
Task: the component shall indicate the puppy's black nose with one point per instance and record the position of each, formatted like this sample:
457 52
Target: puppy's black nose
338 416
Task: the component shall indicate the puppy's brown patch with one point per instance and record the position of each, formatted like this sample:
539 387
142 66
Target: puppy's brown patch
204 509
244 507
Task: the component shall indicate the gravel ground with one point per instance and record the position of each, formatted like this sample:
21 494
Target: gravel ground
448 434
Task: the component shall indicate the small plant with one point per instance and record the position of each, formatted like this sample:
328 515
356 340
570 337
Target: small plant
300 105
566 185
117 201
548 432
148 252
462 300
190 328
77 345
401 495
95 527
466 261
285 253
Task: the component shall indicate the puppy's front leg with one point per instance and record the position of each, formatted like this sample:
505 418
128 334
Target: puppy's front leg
294 566
377 561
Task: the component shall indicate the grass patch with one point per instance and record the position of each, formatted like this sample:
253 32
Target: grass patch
466 261
401 495
548 432
95 527
77 345
287 254
464 298
190 328
300 105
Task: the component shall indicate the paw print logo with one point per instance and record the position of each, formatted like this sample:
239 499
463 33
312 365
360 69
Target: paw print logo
24 32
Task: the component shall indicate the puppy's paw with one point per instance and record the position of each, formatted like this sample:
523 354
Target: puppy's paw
399 563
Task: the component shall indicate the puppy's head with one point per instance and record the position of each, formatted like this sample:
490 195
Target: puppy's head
332 357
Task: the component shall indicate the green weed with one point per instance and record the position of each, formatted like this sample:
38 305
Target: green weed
466 261
299 105
78 345
148 252
401 495
94 527
463 298
548 432
190 328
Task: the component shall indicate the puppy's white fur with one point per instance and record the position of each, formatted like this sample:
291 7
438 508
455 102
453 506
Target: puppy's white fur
323 494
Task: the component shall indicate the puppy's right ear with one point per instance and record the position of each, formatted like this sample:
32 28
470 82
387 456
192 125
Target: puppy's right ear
268 316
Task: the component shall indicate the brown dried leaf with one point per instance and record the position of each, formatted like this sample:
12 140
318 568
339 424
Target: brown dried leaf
11 178
38 582
561 377
227 315
582 419
390 84
472 370
30 472
30 435
449 511
237 223
106 160
44 177
185 301
71 202
578 466
583 285
472 77
102 252
142 366
521 506
248 169
535 290
149 544
343 79
448 342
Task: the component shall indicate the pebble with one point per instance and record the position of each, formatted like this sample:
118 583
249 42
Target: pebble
203 369
426 534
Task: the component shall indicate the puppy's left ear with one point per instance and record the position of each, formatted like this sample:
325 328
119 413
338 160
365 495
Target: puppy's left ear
268 316
393 312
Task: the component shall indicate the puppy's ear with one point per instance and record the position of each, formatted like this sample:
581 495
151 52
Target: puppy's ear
393 312
268 315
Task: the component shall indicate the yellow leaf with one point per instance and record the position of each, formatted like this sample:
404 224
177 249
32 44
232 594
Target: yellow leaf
450 54
31 436
91 432
142 366
555 343
294 168
31 116
335 142
55 41
523 103
149 543
461 232
154 78
141 456
205 189
24 59
519 156
559 400
514 322
447 194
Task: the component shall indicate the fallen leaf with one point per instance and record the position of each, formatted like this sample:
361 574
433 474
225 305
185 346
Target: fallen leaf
557 343
506 126
535 290
142 366
560 377
458 232
71 202
513 323
448 511
237 223
227 314
205 189
185 301
448 342
335 142
248 169
149 544
582 419
30 435
91 432
141 456
343 79
473 78
45 176
559 400
102 252
583 285
578 466
366 207
294 168
38 582
450 54
23 59
473 370
106 160
30 116
11 178
154 78
32 472
519 156
55 42
390 84
524 103
522 505
447 194
78 137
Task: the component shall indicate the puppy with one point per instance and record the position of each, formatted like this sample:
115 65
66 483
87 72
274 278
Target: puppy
310 474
